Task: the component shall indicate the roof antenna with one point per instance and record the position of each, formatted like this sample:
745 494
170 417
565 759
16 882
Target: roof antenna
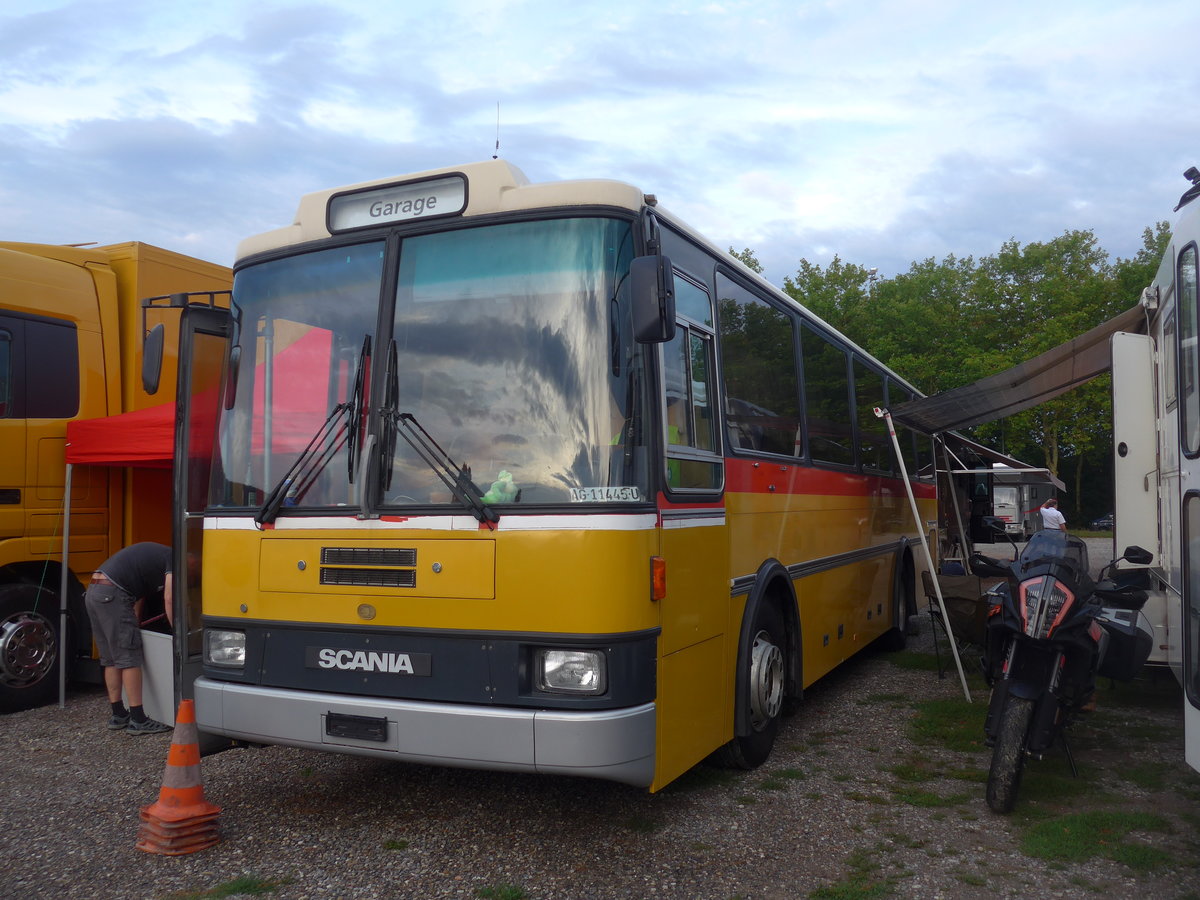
496 155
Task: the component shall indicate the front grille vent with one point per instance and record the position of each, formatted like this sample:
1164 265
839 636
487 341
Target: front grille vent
368 556
404 578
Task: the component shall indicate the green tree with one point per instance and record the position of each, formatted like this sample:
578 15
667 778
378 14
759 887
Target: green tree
746 255
949 323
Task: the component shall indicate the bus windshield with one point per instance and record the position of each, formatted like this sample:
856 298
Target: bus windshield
511 345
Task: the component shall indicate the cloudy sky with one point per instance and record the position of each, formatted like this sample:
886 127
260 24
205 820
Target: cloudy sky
885 131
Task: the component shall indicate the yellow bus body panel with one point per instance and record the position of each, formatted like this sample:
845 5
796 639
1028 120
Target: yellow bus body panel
552 582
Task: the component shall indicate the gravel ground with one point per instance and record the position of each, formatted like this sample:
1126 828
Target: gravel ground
851 801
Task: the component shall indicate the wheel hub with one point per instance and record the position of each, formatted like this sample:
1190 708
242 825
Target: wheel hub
28 649
766 681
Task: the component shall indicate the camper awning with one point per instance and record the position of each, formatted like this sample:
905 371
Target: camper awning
1014 471
1023 386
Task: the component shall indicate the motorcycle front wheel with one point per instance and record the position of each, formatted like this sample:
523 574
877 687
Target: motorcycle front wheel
1008 755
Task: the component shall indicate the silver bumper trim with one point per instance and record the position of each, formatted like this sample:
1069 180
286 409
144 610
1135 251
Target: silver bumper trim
616 745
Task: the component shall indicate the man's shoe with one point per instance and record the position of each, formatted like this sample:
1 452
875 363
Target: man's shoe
118 723
149 726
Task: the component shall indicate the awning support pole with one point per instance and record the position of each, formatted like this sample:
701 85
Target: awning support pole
962 533
937 588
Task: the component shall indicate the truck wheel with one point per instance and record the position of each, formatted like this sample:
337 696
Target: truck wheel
28 647
1008 756
766 661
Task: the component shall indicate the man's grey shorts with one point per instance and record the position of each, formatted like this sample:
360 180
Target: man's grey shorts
114 626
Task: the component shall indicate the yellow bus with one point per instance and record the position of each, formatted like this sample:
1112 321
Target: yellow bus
533 477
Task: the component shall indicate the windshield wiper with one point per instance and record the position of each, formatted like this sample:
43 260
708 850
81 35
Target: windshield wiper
308 465
335 432
457 478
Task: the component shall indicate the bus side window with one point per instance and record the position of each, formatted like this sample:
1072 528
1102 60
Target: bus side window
688 374
827 408
874 446
762 391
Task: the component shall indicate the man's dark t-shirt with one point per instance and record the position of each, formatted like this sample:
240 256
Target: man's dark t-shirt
139 569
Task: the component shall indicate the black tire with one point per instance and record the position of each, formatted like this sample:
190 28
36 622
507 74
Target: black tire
1008 755
904 605
29 646
766 664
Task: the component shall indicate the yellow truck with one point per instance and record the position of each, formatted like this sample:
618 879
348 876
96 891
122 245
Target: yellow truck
71 334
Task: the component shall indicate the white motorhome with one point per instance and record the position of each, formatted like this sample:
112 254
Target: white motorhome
1157 450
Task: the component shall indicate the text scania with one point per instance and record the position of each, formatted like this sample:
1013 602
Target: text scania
365 661
414 207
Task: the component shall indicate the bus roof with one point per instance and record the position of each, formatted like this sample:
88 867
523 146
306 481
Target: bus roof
496 186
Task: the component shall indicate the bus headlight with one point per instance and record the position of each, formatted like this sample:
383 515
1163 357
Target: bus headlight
225 648
570 671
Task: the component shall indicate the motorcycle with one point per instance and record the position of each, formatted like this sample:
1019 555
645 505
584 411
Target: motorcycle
1050 632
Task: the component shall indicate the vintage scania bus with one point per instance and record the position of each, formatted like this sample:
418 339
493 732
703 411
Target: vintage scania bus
533 477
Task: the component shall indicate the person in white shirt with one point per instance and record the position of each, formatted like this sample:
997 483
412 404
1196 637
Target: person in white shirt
1051 517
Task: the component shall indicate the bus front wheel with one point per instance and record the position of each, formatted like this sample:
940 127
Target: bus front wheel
765 664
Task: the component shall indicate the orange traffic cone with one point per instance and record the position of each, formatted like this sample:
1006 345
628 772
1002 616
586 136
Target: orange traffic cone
181 821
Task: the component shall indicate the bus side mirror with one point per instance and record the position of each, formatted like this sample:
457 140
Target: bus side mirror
152 355
653 295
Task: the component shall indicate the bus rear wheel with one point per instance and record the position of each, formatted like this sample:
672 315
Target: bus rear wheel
765 661
29 647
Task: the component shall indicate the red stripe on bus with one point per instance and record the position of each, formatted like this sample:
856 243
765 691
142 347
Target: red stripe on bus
744 476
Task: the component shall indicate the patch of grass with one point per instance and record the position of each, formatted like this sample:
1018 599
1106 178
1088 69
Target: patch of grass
395 845
914 771
1161 692
912 659
928 799
1145 775
972 878
747 799
1141 857
1081 836
246 884
772 783
904 840
502 892
862 883
951 723
1050 781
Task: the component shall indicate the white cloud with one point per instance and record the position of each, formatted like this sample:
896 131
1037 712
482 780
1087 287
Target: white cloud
883 130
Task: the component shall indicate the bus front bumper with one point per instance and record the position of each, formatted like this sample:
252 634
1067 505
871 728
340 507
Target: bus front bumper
616 745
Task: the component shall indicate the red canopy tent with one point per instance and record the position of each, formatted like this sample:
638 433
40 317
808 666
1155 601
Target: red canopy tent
143 438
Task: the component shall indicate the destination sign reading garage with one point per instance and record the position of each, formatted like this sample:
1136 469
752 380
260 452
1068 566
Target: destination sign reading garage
398 203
